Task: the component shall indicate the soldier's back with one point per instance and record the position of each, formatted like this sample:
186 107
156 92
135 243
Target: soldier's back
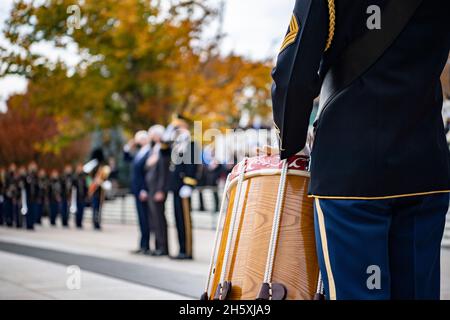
386 126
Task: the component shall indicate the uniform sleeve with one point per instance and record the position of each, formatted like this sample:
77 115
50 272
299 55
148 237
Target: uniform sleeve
296 80
190 177
163 171
127 155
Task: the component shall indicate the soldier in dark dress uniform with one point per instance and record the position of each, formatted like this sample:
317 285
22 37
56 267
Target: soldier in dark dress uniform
81 189
42 192
380 165
32 189
2 195
54 196
10 188
66 190
184 167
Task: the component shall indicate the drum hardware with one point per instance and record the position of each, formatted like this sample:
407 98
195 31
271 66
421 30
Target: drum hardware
90 166
100 180
224 287
267 234
320 293
223 210
267 288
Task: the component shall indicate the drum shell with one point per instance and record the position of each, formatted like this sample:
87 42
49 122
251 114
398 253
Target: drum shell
295 262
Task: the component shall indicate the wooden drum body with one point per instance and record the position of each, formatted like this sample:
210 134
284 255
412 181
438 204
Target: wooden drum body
254 244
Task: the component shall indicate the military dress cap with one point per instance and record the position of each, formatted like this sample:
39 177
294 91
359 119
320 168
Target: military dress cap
179 119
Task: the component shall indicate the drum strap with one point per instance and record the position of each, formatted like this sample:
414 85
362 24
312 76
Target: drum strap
362 53
221 294
213 262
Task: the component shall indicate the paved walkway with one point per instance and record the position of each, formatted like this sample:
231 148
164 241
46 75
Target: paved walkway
23 277
33 265
107 253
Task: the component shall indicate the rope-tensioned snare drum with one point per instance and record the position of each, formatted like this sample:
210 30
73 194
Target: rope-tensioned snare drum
265 246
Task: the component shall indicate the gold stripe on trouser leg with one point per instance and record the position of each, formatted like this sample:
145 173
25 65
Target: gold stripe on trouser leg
187 225
326 256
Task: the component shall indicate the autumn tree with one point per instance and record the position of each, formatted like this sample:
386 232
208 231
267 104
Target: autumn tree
24 137
139 62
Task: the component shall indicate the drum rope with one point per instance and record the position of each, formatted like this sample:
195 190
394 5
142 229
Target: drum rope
233 220
276 224
223 209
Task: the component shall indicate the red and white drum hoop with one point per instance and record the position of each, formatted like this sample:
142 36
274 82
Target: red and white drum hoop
271 165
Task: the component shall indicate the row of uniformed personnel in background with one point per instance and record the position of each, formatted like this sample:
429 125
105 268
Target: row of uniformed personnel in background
29 193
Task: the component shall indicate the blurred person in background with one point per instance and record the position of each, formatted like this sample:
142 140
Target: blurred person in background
54 196
157 178
98 173
10 189
182 183
2 195
81 192
210 173
31 185
41 198
21 210
137 151
66 189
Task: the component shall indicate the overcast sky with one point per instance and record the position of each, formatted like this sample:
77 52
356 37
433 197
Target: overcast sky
254 28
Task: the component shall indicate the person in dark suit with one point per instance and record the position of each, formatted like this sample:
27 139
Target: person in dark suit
137 152
157 179
380 166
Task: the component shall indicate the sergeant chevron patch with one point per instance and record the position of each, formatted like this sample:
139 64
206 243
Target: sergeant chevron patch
292 33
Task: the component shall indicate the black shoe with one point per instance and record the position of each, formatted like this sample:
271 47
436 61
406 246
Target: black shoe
182 256
159 253
147 252
141 251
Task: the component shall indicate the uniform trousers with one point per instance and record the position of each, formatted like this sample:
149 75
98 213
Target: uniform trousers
183 222
381 249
